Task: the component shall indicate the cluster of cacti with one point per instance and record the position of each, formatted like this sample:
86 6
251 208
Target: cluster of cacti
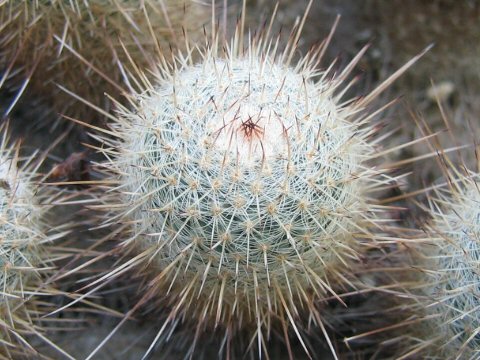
244 190
401 26
243 184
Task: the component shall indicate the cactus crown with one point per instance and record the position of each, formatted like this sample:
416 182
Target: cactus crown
457 264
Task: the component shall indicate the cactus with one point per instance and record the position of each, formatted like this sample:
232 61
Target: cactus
25 259
453 306
401 26
243 184
79 45
439 281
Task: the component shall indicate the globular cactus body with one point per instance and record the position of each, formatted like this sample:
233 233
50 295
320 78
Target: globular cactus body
455 309
244 184
248 184
26 256
442 280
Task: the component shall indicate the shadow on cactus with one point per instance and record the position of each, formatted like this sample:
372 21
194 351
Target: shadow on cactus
243 183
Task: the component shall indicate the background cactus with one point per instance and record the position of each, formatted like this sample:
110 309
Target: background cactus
454 263
25 259
244 185
435 277
85 47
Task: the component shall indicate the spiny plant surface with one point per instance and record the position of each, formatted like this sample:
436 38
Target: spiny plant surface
440 282
25 261
433 273
455 309
78 45
243 184
245 198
